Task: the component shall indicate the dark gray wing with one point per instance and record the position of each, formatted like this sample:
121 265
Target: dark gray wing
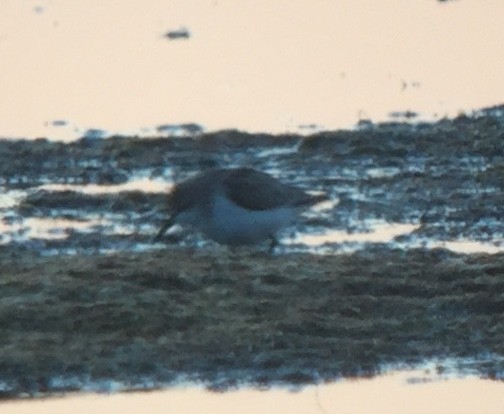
196 190
256 190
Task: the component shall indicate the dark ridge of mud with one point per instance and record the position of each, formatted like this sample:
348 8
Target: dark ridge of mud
459 145
110 161
227 319
45 203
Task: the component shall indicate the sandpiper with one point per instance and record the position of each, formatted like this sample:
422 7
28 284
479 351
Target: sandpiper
239 206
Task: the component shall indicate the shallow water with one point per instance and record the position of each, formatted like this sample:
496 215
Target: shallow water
410 392
438 185
291 66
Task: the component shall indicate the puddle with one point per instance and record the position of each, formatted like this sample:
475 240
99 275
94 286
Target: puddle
469 246
146 185
10 198
378 233
45 228
382 172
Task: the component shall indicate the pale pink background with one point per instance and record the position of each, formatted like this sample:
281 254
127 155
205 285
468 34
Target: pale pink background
258 65
385 395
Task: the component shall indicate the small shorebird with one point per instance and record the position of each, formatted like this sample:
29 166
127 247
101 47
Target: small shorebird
238 206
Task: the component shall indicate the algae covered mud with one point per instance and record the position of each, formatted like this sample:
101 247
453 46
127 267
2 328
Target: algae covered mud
146 320
87 301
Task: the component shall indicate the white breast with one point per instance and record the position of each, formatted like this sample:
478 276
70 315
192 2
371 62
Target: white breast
228 223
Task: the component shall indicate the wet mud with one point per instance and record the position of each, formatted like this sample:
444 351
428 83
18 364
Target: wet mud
447 177
112 313
232 318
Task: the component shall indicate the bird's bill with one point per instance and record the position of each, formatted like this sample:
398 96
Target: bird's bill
169 223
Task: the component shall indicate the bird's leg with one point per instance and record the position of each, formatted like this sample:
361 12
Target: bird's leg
169 223
272 245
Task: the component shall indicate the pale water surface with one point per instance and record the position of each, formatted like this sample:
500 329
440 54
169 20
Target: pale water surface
103 67
408 392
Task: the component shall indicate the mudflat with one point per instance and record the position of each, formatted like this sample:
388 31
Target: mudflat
229 318
87 308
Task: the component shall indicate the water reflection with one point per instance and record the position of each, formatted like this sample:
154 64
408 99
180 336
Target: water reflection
379 233
413 392
292 66
147 185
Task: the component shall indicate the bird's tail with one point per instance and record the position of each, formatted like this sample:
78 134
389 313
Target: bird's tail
318 198
312 199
